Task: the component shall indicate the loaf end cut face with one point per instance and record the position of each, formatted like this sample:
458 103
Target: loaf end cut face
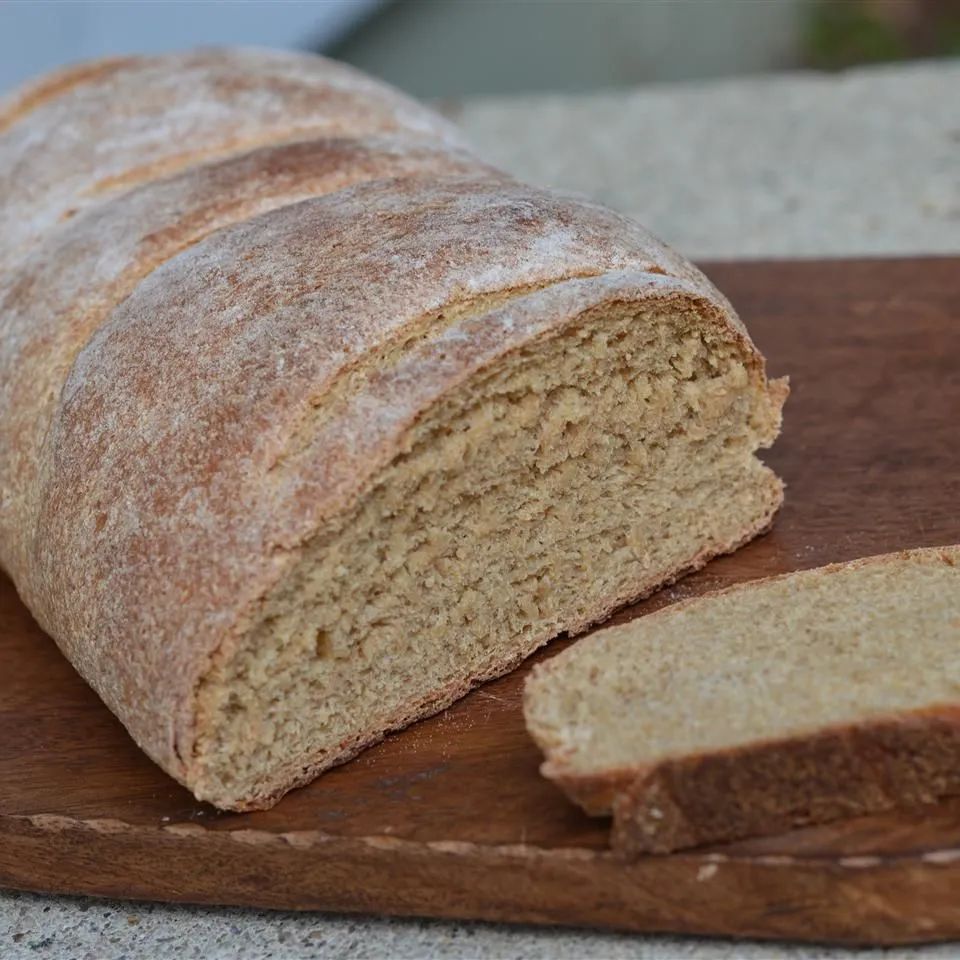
796 700
517 502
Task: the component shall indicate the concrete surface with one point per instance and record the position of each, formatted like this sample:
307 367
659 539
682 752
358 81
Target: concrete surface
58 928
867 162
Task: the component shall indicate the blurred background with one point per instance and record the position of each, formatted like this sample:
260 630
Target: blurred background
461 48
731 128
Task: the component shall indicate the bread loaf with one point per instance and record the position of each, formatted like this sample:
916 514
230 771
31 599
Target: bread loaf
789 701
311 421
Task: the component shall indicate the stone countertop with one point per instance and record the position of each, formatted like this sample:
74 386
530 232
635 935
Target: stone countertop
861 163
68 928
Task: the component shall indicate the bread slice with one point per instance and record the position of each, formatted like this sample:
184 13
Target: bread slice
310 421
794 700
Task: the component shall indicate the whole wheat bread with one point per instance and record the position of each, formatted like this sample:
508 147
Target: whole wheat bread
310 420
788 701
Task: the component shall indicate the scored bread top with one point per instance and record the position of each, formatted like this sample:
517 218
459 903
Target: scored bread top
770 660
99 129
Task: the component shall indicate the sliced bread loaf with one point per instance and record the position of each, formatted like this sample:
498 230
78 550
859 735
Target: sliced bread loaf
794 700
310 421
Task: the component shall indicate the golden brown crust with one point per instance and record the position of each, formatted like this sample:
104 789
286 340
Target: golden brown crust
773 787
51 85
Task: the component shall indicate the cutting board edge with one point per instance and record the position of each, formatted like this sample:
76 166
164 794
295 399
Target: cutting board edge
841 900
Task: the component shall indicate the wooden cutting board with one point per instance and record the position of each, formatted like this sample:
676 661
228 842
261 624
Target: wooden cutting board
450 818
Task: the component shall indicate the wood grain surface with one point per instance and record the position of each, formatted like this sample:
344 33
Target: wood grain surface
450 818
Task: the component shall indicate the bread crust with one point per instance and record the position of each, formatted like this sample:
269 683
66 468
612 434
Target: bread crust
768 788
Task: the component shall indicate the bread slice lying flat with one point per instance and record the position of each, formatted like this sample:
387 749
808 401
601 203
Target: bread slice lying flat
788 701
310 420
